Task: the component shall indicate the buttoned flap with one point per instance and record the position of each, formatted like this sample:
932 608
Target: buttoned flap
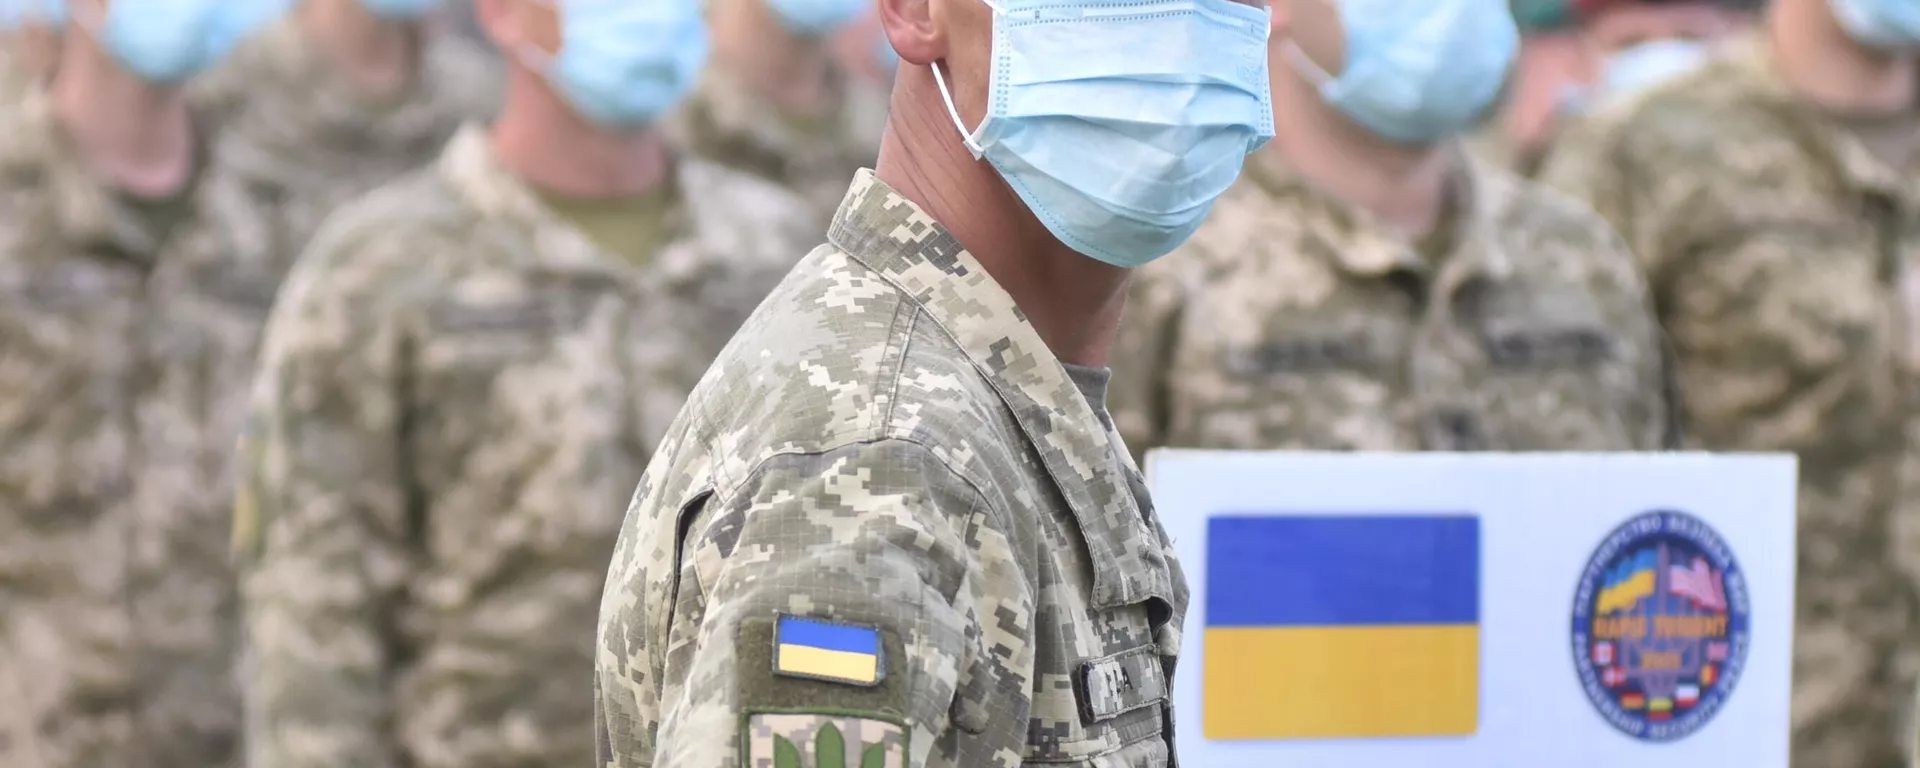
1110 710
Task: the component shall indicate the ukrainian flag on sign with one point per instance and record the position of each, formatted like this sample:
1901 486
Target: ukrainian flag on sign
1341 627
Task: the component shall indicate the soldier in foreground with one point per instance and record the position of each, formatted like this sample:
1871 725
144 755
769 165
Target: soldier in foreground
1369 286
118 294
461 384
333 99
1773 198
894 519
780 103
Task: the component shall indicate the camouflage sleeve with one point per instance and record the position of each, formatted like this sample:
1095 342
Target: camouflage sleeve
1632 183
882 539
1622 293
1658 215
322 522
1141 353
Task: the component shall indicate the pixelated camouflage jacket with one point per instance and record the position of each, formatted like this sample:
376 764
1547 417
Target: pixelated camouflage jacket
127 334
889 444
458 392
1293 320
1784 259
726 122
301 140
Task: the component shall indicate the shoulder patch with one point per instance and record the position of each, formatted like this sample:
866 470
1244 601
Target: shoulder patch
817 649
822 739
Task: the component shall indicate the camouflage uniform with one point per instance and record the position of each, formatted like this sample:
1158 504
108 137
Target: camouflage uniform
889 444
1784 258
727 122
128 330
457 393
303 141
1293 320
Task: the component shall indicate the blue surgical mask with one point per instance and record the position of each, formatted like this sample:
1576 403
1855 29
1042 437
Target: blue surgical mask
817 17
17 13
1417 71
624 63
1119 123
160 41
1884 24
1647 64
395 9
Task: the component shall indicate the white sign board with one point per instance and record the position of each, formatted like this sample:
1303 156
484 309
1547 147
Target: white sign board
1475 610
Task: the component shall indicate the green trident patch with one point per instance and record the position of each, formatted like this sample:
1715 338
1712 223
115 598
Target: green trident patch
823 740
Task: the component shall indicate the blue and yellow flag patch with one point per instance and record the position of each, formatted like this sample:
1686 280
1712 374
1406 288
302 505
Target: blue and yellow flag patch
816 649
1341 627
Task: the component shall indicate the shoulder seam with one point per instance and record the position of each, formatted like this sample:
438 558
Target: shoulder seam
731 491
885 425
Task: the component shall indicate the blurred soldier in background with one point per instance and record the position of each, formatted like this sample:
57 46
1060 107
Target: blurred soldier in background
1578 53
465 18
907 448
1368 286
1773 197
29 44
123 308
333 99
461 386
779 103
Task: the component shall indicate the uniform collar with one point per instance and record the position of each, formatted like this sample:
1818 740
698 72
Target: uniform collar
890 235
726 121
283 126
1361 246
469 167
84 211
1750 63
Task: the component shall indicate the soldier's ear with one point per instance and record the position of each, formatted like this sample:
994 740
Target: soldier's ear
912 28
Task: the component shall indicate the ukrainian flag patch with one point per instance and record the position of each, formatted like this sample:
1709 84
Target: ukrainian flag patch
830 651
1341 627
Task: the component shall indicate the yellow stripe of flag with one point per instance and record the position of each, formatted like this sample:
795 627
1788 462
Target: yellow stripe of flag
1341 682
820 662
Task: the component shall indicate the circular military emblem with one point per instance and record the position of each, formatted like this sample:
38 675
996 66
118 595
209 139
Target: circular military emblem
1660 626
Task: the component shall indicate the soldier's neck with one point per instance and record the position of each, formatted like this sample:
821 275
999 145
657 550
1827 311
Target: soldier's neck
1072 301
133 135
378 58
1832 70
550 147
788 71
1403 187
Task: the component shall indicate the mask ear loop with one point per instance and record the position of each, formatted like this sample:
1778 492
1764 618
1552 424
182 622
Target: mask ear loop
946 94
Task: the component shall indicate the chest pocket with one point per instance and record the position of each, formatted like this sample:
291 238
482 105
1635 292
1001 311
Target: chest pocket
1530 329
484 333
1310 353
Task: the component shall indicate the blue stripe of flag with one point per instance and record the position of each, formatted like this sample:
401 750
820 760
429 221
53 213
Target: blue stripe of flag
829 636
1273 571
